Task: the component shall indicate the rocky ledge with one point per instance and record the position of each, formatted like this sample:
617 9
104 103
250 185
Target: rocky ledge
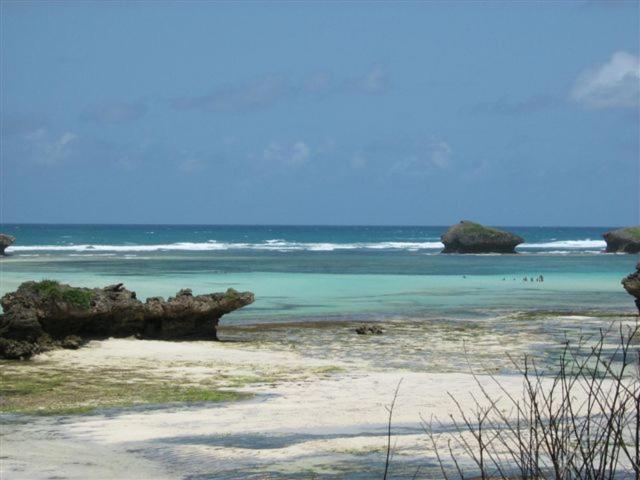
470 237
623 240
40 316
631 284
5 241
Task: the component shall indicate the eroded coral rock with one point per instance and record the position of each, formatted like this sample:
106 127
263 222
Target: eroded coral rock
470 237
631 284
623 240
44 315
365 329
5 241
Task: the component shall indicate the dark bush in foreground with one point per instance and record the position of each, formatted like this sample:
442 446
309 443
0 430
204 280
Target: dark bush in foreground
581 422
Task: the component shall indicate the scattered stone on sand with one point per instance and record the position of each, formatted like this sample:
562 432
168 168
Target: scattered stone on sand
631 284
5 241
41 316
623 240
470 237
365 329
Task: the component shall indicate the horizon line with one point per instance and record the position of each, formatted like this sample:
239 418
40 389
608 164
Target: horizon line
328 225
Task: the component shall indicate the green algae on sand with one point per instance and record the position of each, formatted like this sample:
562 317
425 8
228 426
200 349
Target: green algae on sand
57 391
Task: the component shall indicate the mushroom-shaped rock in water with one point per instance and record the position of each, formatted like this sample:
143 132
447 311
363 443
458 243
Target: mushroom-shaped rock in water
623 240
43 315
470 237
5 241
631 284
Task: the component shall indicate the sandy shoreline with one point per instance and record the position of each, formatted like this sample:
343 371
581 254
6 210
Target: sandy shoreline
308 419
306 403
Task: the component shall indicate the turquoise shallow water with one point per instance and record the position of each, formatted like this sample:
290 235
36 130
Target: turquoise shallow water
316 273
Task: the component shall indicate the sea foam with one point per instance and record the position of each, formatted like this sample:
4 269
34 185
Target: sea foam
284 246
275 245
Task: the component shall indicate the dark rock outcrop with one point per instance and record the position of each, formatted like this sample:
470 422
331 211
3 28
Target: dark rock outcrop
623 240
365 329
631 284
470 237
5 241
43 315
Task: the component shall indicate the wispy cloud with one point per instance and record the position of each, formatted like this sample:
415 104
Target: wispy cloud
259 93
295 154
46 148
504 106
30 139
426 156
18 125
375 81
114 112
614 84
191 165
272 89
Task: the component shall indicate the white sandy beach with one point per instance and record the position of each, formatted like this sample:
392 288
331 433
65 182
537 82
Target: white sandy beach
310 421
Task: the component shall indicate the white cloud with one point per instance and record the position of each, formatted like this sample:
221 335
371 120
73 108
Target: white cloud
427 156
294 155
41 146
114 112
258 93
440 153
358 161
376 80
615 83
191 165
58 149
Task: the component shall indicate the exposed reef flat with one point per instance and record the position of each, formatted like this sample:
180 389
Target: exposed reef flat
44 315
470 237
623 240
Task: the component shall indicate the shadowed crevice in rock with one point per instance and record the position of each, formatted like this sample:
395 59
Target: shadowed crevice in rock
40 316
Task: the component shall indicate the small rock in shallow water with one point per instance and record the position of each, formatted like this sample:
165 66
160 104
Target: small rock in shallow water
5 241
470 237
623 240
71 342
369 330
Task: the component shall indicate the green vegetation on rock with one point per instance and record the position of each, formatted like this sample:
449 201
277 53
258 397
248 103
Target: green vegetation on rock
634 231
78 297
47 288
477 229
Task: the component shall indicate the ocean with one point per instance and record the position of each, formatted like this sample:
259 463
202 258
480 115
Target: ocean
322 273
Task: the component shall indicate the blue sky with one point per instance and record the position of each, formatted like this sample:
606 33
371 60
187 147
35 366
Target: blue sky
509 113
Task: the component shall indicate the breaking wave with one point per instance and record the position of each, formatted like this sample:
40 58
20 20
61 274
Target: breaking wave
212 245
569 244
562 246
